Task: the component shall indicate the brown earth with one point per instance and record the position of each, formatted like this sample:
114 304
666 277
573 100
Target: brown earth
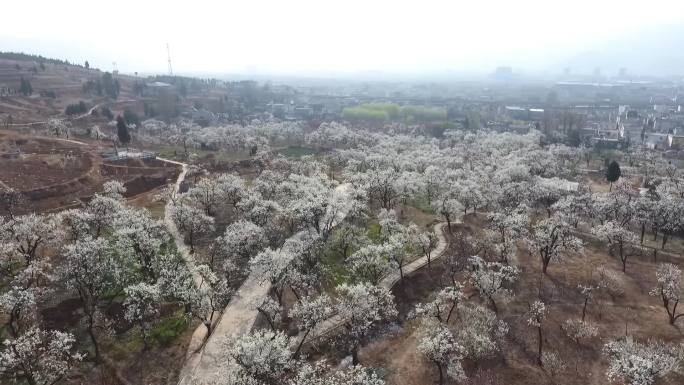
56 174
634 313
65 81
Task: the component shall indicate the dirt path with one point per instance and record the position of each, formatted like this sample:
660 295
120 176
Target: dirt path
237 318
88 113
171 225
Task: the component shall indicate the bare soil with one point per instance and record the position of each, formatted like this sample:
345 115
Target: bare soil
634 313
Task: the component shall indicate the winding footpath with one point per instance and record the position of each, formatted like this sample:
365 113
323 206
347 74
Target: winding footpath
325 329
238 318
200 333
170 224
68 119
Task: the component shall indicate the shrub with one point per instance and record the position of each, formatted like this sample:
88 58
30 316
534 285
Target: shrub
169 329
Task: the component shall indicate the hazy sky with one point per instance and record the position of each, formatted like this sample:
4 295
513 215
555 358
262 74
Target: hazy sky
324 36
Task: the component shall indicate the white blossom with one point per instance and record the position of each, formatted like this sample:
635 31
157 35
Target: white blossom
38 356
669 289
640 363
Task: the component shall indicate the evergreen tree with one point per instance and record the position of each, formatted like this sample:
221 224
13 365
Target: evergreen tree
25 87
122 131
87 65
613 173
107 113
131 117
110 85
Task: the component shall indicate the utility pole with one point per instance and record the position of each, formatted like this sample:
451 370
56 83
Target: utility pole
168 53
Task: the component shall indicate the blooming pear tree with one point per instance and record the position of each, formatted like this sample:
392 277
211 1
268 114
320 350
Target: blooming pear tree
425 241
579 330
137 234
10 200
272 266
398 248
551 238
587 292
18 303
444 304
309 313
448 207
192 222
261 357
210 297
619 240
142 307
637 363
669 289
362 307
320 374
240 241
491 278
347 238
370 263
479 331
535 317
25 240
205 194
505 229
39 357
90 268
439 346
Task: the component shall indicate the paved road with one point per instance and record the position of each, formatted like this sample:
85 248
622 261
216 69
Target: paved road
237 318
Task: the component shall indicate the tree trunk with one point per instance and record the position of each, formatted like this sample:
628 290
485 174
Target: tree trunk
643 231
268 318
91 333
673 315
355 356
191 242
496 309
539 348
453 306
301 343
441 374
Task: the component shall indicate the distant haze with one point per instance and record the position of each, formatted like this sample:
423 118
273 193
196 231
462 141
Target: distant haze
333 38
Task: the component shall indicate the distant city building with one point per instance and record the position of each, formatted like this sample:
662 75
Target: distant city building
303 112
503 73
658 141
